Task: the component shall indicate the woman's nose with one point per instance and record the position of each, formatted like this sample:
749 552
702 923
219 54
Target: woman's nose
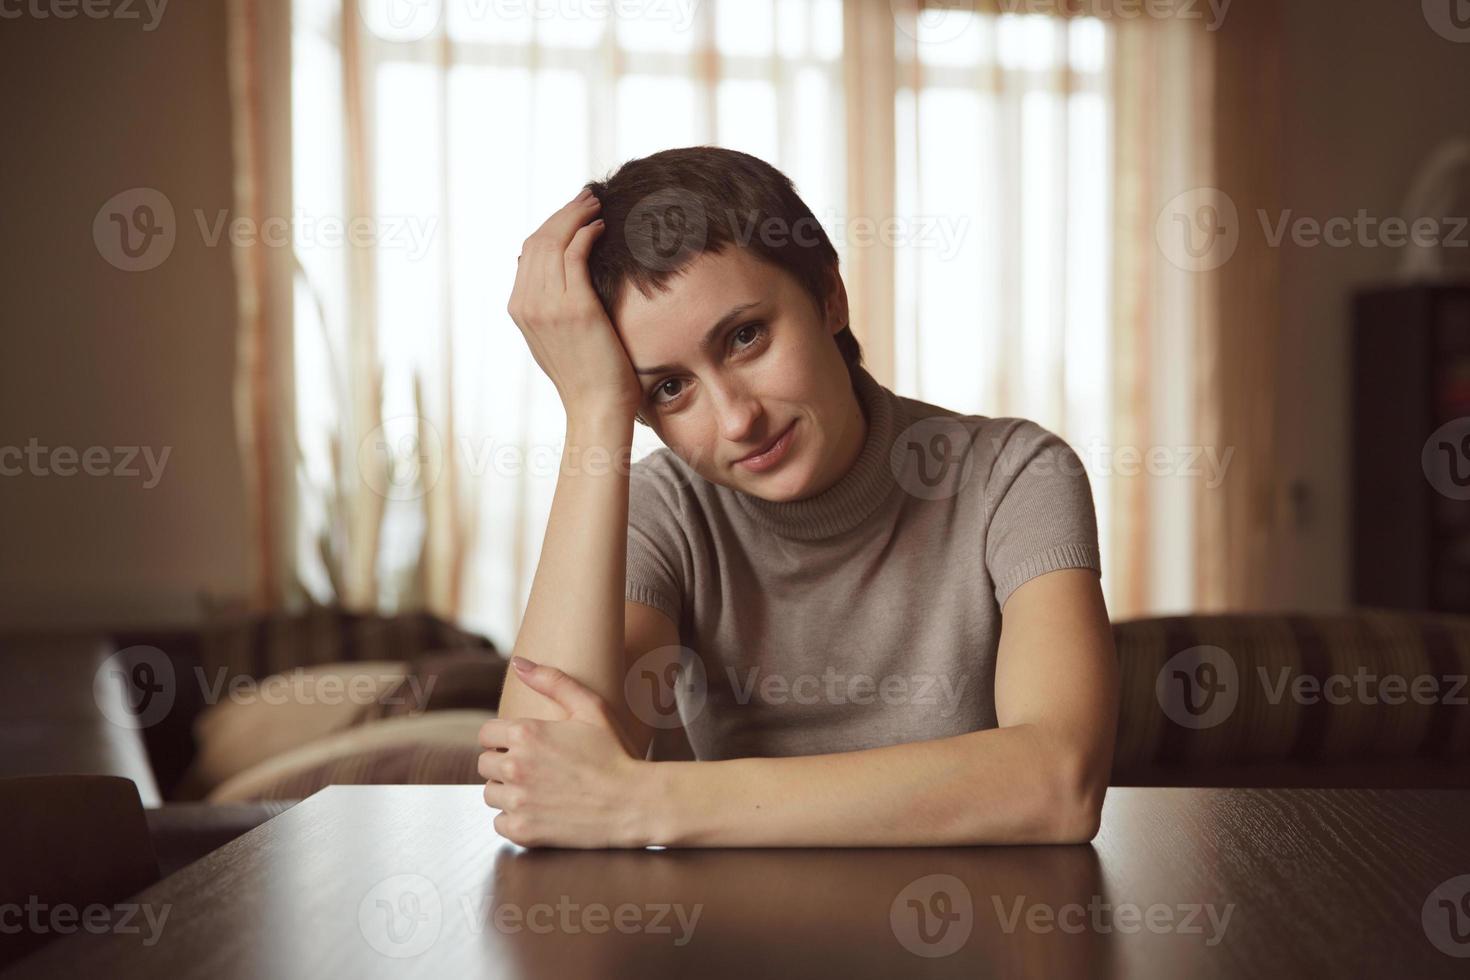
739 413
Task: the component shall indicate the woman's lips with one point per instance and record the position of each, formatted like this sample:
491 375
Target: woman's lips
771 457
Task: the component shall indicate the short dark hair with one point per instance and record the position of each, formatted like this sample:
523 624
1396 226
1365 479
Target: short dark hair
664 210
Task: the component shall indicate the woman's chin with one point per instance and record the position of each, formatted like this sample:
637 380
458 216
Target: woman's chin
787 484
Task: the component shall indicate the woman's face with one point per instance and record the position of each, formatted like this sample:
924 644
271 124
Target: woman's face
734 357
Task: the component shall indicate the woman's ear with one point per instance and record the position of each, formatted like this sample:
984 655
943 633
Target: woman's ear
836 304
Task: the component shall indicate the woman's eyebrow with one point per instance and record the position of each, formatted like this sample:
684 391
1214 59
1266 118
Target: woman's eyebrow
710 336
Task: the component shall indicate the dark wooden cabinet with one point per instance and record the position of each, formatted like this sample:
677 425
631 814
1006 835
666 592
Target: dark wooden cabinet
1411 447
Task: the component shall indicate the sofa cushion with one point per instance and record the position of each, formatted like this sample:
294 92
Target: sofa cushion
448 680
437 747
238 645
252 722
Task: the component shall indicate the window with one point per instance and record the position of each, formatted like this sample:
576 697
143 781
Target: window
441 133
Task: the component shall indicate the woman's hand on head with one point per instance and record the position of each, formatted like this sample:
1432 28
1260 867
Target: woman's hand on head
558 312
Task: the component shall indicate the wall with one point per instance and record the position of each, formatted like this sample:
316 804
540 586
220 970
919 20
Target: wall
1369 91
98 357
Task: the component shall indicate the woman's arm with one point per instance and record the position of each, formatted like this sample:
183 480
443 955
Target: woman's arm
574 617
1038 778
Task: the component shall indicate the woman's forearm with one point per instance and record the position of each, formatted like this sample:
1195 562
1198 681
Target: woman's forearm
1009 785
574 617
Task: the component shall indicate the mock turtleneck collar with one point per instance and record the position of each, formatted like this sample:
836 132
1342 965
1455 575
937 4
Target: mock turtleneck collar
854 497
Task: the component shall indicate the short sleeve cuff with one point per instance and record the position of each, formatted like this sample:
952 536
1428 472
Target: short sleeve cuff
646 596
1051 560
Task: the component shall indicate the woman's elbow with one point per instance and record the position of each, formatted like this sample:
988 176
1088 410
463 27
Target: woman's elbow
1080 823
1078 801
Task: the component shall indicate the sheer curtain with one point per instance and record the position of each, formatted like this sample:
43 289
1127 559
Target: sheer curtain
991 181
1036 153
429 439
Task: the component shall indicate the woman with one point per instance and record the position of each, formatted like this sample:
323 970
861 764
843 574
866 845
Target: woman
882 620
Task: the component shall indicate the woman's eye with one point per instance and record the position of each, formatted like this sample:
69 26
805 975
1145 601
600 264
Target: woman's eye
745 338
755 331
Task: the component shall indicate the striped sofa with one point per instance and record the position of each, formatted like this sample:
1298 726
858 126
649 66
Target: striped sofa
1366 698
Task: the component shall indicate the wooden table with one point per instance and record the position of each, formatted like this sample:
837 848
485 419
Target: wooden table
413 881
